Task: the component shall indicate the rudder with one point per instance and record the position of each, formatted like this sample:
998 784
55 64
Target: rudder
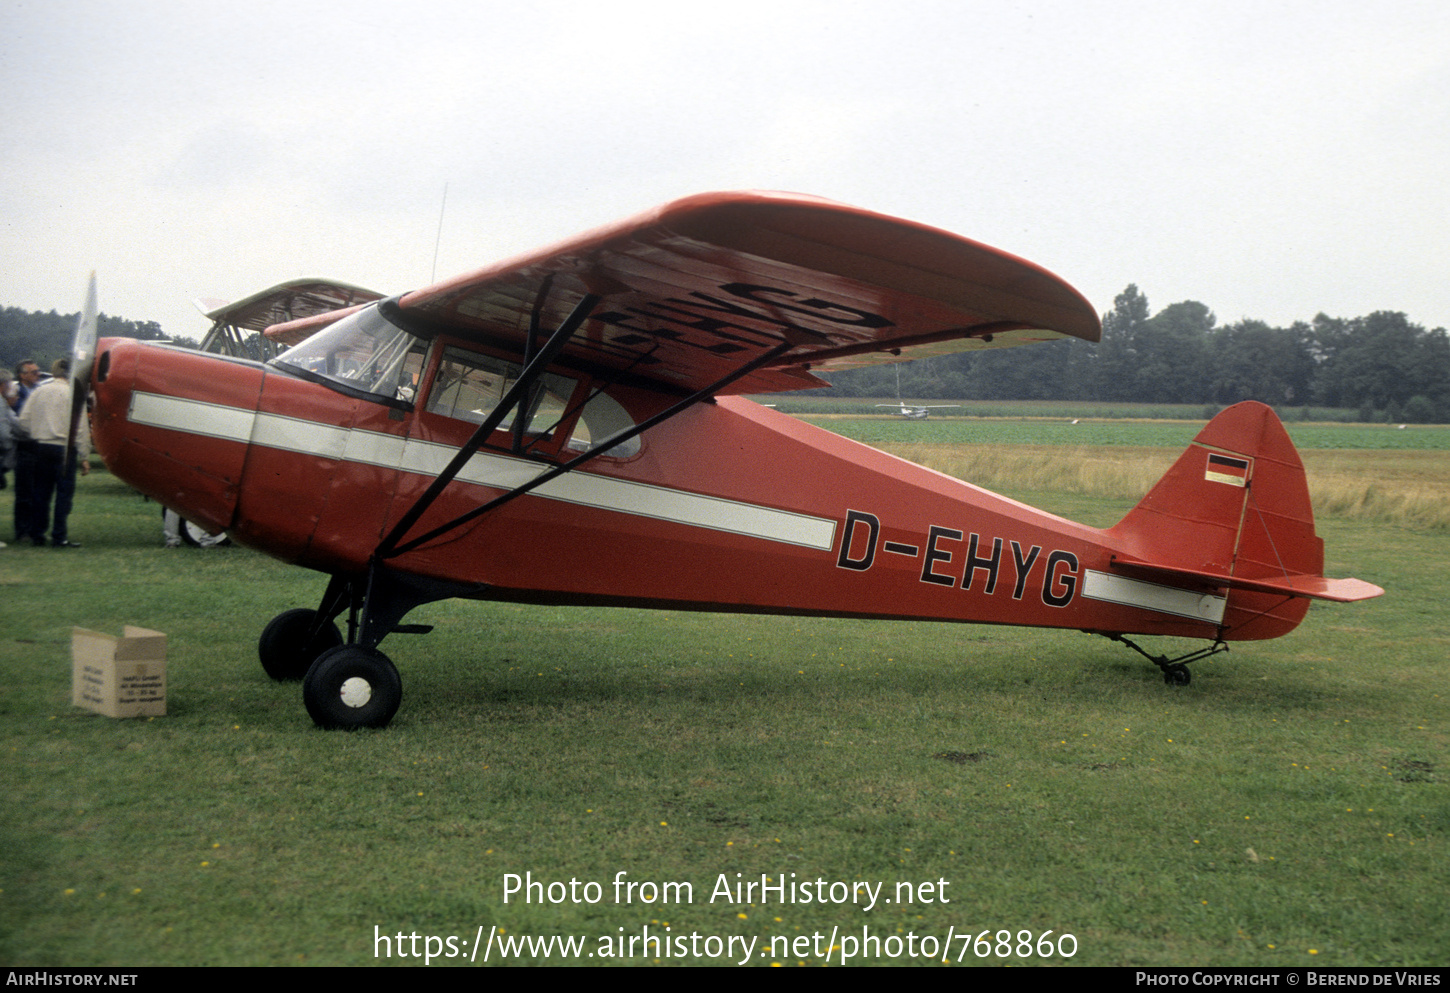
1234 512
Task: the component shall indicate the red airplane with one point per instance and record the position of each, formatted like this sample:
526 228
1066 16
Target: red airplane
565 428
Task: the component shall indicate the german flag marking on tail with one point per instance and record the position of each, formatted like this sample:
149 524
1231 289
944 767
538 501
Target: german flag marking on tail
1227 469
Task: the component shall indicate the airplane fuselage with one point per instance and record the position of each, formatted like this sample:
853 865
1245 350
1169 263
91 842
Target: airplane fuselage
728 506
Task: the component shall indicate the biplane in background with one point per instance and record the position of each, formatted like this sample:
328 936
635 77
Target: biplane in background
236 327
567 428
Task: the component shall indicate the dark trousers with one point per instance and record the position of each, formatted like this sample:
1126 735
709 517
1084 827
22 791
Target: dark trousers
25 456
42 474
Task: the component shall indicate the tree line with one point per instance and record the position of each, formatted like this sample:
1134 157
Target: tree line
47 336
1381 365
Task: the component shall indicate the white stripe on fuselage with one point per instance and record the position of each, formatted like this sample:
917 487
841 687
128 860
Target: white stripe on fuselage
1151 596
293 434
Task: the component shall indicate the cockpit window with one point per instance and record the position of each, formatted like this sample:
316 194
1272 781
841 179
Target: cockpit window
363 352
366 354
469 386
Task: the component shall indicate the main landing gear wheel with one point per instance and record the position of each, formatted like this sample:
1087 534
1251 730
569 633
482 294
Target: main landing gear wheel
351 687
1177 675
285 649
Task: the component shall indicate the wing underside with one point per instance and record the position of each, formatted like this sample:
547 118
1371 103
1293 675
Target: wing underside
688 294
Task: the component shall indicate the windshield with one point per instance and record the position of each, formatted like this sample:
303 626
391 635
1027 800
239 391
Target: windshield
363 351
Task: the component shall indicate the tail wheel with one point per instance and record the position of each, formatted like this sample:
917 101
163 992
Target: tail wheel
285 648
1177 675
352 687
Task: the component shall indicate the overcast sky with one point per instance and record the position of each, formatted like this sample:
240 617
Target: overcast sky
1269 159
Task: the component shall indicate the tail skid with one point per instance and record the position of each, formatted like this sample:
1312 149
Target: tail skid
1234 513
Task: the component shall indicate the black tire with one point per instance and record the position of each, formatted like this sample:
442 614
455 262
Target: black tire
1177 675
352 687
285 652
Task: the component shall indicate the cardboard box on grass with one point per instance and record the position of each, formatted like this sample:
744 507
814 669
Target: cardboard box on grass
119 677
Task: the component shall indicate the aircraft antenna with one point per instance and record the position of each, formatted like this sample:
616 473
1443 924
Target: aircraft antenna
437 240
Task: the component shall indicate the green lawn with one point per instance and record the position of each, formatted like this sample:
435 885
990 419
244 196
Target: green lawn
1158 434
1292 806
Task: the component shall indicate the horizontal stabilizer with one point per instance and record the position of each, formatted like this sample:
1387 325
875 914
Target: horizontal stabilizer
1233 514
1311 587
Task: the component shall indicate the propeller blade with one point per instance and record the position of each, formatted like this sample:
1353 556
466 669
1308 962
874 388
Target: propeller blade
82 352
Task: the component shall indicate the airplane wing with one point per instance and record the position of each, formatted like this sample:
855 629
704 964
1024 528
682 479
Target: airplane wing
702 287
289 301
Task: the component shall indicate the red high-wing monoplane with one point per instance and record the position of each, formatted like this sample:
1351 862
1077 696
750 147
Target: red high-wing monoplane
564 428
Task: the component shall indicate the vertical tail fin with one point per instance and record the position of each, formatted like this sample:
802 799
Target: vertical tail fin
1234 512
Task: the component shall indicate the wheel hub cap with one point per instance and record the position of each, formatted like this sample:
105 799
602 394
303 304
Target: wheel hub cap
356 692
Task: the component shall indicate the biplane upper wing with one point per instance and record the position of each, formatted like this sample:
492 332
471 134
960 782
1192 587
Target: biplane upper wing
686 294
290 301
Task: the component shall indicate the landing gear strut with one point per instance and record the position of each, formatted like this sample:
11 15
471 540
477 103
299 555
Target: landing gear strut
1175 671
348 683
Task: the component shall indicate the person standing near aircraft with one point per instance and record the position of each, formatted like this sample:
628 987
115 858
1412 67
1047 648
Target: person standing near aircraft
9 428
9 431
46 468
27 379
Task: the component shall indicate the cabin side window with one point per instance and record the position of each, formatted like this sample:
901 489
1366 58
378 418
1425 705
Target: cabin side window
601 419
469 386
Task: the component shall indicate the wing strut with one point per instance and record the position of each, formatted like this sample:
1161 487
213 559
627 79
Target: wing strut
530 339
514 396
381 598
393 548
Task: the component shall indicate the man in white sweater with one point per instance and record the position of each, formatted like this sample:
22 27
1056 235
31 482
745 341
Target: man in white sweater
42 471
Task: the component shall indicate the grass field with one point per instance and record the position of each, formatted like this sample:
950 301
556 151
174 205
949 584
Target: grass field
800 404
890 429
1366 472
1290 807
